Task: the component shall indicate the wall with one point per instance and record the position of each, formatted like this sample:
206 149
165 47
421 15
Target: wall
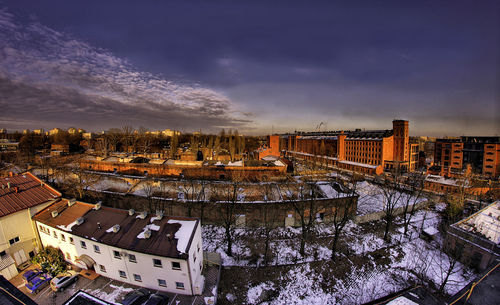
210 212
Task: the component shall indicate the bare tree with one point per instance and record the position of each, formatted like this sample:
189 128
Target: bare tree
414 191
305 207
391 190
230 210
343 209
81 180
269 219
127 136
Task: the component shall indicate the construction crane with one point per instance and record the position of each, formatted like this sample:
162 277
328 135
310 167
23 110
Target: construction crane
318 128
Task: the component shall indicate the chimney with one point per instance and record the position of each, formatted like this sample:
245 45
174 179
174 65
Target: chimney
54 214
147 233
97 206
142 215
116 228
131 212
71 201
79 220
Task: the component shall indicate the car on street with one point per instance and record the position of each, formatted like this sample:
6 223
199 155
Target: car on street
63 280
157 299
38 283
136 297
30 274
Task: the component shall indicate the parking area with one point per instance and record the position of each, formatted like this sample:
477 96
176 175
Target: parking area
109 290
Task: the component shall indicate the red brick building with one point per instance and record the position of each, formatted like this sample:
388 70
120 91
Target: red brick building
363 151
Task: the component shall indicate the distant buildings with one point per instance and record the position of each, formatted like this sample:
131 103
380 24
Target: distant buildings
154 251
21 196
369 151
453 156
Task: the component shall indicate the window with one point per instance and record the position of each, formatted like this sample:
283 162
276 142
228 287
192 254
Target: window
179 285
122 274
176 265
71 241
48 231
116 254
14 240
97 249
68 256
63 238
162 283
55 234
131 258
157 262
83 244
137 278
102 268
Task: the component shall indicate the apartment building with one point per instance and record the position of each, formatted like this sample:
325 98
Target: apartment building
21 196
153 251
480 154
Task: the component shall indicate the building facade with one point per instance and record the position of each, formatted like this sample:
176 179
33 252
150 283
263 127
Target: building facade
480 154
21 196
359 150
152 251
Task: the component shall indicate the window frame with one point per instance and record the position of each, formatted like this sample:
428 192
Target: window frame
155 264
176 268
160 284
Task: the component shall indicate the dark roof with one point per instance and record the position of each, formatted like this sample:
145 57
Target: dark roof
97 222
348 133
25 191
10 295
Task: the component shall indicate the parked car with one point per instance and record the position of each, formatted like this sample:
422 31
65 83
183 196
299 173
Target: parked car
38 283
30 274
136 297
157 299
64 280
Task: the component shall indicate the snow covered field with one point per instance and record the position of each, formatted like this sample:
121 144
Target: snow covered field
371 198
368 268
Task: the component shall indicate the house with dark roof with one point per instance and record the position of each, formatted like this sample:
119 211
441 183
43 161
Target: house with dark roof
153 251
21 197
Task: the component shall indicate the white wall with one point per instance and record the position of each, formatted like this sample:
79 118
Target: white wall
143 267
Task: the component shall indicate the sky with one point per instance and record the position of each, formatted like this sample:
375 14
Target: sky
255 66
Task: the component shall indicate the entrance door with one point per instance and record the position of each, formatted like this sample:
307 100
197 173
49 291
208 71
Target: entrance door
20 257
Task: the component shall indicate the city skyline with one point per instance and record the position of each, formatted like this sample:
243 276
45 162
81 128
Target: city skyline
280 67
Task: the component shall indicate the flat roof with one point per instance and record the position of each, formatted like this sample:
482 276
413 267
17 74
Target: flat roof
170 236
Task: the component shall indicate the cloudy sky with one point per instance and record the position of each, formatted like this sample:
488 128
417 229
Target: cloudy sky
257 66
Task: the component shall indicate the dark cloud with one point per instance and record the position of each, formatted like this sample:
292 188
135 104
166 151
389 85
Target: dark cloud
290 64
52 79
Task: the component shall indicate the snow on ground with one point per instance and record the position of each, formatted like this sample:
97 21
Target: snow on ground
403 258
109 297
111 184
371 198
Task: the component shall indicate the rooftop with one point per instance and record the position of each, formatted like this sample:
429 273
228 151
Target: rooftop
486 222
19 192
169 236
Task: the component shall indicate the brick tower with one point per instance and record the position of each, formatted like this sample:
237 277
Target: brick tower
401 140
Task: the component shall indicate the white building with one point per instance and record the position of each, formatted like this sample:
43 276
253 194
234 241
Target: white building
152 251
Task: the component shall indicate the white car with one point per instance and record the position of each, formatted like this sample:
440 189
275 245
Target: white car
63 280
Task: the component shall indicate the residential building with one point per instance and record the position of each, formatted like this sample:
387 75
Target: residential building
21 196
154 251
453 156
